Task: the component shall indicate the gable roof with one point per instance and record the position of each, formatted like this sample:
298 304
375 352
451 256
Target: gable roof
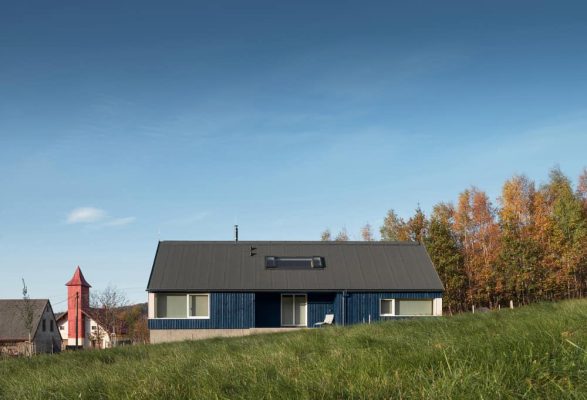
78 279
12 325
228 266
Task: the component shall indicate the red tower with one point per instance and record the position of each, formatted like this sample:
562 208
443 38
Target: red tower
78 299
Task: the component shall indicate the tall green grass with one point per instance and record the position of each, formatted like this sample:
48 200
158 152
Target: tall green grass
534 352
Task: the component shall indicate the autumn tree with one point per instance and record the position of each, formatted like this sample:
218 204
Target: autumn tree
326 235
582 189
569 234
519 258
367 233
478 235
342 236
107 305
394 228
446 256
135 318
532 247
417 226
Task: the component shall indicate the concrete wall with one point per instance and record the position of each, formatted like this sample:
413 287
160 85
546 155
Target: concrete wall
177 335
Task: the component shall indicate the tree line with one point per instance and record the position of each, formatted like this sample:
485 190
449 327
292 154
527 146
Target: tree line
530 246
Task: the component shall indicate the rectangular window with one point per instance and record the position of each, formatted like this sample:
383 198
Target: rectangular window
171 305
44 325
294 262
62 328
397 307
413 307
386 307
294 310
199 306
51 327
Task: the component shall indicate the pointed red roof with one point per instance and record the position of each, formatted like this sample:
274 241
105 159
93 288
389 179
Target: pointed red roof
78 279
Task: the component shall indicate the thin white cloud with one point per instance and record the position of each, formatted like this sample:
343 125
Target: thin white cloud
86 215
96 218
120 221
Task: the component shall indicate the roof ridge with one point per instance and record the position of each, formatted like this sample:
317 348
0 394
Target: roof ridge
297 242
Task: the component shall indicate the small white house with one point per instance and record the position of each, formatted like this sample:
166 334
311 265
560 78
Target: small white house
96 336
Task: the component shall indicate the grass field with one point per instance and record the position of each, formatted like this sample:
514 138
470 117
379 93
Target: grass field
532 352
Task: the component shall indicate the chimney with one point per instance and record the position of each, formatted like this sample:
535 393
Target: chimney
236 234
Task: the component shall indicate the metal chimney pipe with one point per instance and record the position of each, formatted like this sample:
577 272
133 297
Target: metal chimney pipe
236 234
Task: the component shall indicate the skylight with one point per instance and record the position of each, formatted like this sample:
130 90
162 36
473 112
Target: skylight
315 262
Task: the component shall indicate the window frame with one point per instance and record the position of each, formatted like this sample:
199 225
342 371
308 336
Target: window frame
394 304
294 310
189 295
187 305
392 307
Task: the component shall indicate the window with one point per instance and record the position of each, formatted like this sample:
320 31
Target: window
293 310
51 327
386 307
413 307
44 325
294 262
397 307
171 305
62 327
199 305
179 305
94 327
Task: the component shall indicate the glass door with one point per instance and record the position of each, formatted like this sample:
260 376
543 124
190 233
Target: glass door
294 310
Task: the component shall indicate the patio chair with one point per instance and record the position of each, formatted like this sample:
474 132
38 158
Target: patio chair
328 320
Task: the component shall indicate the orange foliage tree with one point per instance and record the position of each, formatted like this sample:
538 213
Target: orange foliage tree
532 247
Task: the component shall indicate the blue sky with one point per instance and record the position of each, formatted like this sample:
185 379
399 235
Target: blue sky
123 124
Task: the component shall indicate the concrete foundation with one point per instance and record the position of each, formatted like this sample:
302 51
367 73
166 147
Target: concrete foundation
177 335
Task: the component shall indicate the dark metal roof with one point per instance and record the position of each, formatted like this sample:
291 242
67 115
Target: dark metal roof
12 325
228 266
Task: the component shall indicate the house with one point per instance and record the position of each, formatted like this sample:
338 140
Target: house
17 337
90 332
205 289
96 335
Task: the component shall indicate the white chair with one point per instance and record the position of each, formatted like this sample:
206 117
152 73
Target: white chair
328 320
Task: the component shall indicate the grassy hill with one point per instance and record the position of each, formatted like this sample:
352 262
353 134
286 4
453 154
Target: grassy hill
533 352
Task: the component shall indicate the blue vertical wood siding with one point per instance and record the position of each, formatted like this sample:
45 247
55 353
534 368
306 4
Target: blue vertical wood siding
263 310
360 305
320 304
227 311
